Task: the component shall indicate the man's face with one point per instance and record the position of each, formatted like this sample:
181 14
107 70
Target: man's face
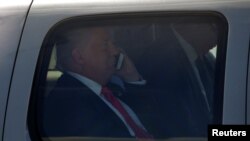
100 54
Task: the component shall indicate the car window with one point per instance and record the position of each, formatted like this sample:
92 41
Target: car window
130 76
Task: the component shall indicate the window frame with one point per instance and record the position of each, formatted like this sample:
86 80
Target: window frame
43 54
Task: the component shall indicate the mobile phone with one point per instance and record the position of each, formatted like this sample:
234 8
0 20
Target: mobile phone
119 61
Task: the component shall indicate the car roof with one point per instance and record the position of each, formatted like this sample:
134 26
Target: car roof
166 3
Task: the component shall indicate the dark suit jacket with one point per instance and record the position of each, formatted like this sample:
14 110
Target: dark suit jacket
72 109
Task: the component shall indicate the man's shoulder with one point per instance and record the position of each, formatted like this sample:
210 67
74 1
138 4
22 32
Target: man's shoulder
67 80
68 88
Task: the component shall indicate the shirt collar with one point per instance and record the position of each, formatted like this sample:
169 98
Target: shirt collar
94 86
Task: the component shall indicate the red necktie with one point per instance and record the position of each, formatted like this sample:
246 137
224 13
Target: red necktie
139 132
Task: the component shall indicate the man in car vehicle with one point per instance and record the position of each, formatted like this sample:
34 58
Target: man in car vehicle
81 103
196 40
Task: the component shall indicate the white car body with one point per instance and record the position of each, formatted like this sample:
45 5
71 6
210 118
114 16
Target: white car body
24 25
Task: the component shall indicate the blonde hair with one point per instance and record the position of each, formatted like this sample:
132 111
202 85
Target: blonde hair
66 42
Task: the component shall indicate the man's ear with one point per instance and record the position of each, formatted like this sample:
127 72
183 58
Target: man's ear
77 56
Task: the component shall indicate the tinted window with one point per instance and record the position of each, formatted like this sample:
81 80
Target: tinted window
165 75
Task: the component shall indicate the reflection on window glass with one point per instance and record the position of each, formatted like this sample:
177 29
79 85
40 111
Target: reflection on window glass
213 51
149 78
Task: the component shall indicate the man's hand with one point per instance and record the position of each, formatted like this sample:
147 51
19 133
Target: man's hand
128 71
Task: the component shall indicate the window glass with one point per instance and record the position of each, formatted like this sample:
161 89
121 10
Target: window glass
130 77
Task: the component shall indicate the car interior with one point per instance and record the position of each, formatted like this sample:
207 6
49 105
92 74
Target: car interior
156 53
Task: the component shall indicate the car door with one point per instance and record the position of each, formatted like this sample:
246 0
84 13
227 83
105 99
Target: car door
12 20
45 16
